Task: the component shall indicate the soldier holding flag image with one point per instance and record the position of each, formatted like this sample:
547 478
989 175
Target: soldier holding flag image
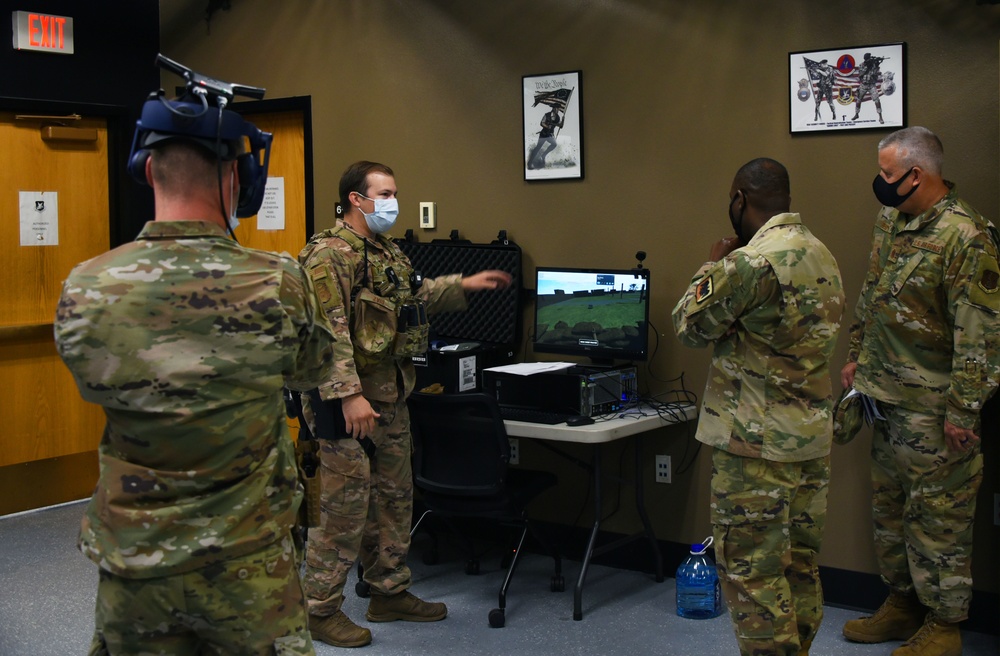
824 76
551 122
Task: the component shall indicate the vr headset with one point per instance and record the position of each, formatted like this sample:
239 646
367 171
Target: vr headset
193 117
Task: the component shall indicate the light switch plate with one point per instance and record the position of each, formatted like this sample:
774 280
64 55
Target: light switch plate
428 215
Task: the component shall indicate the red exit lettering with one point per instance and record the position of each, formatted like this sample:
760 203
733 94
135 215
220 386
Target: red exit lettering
46 31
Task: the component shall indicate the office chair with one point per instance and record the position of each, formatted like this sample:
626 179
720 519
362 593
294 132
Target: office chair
460 468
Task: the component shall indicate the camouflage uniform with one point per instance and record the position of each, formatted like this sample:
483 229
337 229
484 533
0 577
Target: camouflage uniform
367 502
186 339
925 342
772 309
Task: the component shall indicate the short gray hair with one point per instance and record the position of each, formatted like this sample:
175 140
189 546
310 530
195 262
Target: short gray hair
916 146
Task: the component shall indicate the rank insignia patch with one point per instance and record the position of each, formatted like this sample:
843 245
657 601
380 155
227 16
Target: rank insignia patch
704 289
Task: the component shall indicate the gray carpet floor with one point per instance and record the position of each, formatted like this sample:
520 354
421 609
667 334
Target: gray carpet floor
48 588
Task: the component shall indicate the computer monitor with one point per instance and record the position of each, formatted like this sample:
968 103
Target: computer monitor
602 314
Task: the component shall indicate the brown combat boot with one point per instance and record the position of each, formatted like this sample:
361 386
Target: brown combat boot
338 630
935 638
898 618
404 606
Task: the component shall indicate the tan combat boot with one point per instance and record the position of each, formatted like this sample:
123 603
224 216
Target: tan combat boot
935 638
898 618
404 606
338 630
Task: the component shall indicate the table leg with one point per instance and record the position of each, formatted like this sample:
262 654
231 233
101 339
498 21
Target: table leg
578 592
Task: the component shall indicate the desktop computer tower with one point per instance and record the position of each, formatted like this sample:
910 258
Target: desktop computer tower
578 390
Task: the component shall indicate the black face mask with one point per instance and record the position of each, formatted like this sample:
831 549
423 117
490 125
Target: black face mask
738 222
886 192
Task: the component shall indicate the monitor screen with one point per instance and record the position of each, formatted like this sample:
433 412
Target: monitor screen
599 313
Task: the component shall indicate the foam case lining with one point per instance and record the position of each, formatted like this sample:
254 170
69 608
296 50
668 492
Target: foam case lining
493 318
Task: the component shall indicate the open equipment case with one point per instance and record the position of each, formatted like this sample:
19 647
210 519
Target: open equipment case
488 332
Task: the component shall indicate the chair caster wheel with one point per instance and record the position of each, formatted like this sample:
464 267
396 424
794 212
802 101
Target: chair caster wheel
557 583
363 589
497 619
472 567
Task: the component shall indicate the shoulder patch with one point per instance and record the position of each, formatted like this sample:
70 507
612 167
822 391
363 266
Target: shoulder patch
987 284
326 286
988 281
704 290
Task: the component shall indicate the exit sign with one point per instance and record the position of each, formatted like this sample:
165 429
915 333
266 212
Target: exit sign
43 32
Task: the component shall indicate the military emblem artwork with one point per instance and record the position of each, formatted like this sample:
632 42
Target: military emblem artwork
847 89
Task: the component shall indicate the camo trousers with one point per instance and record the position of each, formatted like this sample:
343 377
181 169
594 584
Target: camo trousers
248 605
924 502
367 510
768 522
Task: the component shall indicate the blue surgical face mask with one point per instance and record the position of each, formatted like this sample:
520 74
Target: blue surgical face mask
384 216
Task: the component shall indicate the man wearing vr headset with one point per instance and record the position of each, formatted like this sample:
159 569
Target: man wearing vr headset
377 307
186 339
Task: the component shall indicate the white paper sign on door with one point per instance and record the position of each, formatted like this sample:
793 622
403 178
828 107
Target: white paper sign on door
272 211
39 218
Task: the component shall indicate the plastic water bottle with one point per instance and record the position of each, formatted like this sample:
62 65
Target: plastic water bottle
698 594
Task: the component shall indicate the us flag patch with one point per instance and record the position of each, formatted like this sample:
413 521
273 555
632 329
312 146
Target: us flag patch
704 289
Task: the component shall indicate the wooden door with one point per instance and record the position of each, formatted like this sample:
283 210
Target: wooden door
49 437
290 161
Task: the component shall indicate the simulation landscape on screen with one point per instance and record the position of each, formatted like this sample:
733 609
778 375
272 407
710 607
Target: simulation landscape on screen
592 312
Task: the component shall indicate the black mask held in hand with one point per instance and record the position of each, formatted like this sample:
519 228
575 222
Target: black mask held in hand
887 192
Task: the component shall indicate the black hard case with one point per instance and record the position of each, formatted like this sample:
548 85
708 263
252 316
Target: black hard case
488 331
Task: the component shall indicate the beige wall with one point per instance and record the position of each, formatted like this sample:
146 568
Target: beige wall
676 96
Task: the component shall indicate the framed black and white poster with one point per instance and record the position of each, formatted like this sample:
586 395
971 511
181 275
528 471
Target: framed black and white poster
553 126
861 87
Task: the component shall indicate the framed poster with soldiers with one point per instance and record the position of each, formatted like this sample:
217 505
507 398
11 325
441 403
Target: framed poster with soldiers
857 88
553 126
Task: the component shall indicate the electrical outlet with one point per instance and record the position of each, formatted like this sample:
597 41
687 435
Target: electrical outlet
428 215
996 509
663 474
515 452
